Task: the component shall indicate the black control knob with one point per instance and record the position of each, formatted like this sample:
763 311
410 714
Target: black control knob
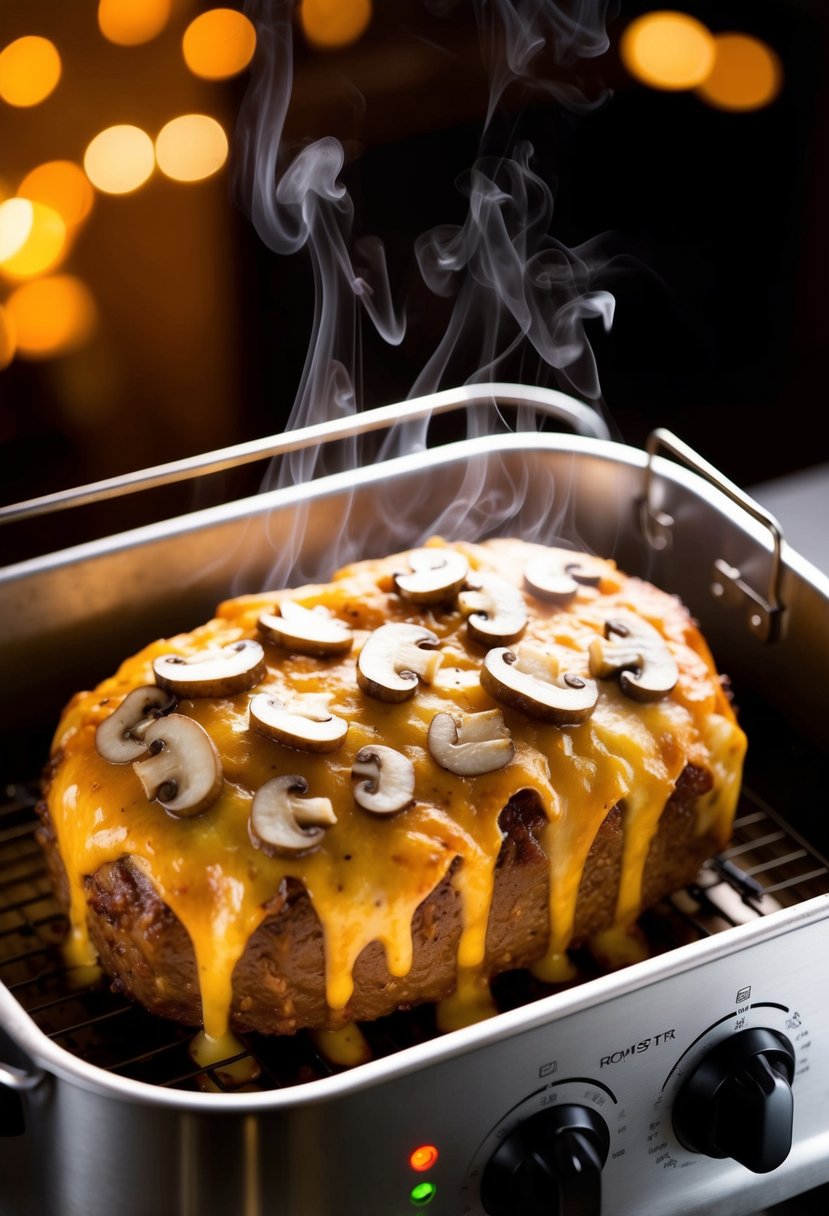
550 1165
738 1101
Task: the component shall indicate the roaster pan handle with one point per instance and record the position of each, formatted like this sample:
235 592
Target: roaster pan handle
765 612
584 420
20 1079
13 1082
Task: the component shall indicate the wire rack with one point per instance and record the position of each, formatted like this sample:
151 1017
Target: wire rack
766 867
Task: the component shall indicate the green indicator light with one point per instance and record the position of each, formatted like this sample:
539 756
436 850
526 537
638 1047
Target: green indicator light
423 1193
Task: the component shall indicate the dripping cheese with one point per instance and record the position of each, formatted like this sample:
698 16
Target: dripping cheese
192 917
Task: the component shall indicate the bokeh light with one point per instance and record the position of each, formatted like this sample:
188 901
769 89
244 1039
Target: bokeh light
191 147
29 70
32 238
131 22
51 316
746 75
334 23
219 43
668 50
62 185
15 225
8 342
119 159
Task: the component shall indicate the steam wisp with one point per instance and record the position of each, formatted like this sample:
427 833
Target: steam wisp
298 204
519 297
516 34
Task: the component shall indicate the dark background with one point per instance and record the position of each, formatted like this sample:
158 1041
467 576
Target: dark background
718 218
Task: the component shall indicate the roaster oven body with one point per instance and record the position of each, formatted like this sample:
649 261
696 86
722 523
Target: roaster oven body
97 1142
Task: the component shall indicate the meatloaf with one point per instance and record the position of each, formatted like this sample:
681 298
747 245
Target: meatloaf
334 801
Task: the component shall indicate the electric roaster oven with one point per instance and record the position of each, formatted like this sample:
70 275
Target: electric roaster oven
689 1077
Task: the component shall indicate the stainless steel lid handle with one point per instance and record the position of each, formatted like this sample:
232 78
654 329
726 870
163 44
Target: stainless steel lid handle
765 611
584 419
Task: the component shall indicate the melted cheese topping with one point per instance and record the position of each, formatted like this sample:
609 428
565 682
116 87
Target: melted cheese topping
370 873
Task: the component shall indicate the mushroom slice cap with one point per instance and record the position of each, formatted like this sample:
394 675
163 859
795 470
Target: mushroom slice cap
304 723
395 658
183 771
120 737
283 822
303 630
387 780
472 744
220 672
639 655
557 574
495 610
535 683
437 576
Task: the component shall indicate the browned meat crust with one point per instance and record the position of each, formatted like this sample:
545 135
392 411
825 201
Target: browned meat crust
278 985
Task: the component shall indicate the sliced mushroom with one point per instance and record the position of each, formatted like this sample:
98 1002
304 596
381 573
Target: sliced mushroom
120 737
535 683
495 610
437 576
393 660
638 654
388 780
183 771
284 823
213 673
472 744
305 722
557 574
302 630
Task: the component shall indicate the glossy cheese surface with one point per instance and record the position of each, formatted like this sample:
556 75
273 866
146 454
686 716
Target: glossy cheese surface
370 872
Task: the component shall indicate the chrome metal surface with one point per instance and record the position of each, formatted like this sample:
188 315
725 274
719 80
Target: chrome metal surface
125 1122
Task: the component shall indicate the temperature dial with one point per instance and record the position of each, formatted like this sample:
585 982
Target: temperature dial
550 1165
738 1101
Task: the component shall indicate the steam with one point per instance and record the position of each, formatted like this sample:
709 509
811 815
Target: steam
512 281
516 297
301 204
516 34
518 294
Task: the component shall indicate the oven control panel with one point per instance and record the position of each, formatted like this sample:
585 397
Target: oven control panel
549 1155
701 1091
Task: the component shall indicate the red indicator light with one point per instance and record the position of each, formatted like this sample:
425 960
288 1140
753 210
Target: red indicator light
423 1157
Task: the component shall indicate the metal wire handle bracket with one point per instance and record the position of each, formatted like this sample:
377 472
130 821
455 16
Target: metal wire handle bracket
765 612
583 418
